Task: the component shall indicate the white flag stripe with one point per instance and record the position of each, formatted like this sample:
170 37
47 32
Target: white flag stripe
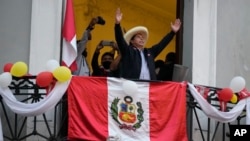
69 53
142 95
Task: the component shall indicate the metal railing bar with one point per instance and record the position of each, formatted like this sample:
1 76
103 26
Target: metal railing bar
47 125
22 126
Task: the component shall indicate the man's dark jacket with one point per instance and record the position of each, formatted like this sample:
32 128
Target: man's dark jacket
130 65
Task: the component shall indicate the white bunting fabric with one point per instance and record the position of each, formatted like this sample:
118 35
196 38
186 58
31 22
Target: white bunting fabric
216 114
33 109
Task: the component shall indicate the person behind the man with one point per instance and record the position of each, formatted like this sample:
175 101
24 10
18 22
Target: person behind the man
106 59
167 69
137 62
158 64
82 65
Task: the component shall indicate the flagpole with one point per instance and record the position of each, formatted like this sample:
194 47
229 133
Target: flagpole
61 39
63 107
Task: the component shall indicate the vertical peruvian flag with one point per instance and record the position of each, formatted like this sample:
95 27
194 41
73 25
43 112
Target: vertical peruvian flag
69 48
101 109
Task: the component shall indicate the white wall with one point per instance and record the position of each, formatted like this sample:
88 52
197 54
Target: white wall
30 32
45 33
14 31
233 44
204 42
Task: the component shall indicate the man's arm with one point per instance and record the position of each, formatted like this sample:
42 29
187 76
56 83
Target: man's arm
118 32
81 45
114 65
157 48
94 62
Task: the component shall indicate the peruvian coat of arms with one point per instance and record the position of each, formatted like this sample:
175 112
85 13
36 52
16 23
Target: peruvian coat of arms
128 115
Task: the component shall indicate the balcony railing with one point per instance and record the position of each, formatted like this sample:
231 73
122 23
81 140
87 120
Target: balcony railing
213 130
49 126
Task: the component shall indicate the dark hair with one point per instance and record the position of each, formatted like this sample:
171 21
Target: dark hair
170 57
159 63
108 53
132 38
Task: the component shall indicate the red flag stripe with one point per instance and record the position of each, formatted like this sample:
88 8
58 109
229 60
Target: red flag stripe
167 111
69 49
69 22
83 109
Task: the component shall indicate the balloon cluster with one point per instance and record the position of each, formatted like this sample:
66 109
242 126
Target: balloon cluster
54 72
18 69
230 93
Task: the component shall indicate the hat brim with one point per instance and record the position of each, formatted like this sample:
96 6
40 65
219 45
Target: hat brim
136 30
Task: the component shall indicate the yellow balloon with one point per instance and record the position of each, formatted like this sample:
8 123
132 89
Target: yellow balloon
62 74
234 99
19 69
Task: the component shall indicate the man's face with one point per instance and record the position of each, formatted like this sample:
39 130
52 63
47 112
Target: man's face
138 41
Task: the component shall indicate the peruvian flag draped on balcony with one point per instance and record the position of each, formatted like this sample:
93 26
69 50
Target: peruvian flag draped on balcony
118 109
69 47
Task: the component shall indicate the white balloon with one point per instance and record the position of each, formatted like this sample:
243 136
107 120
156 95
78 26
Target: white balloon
5 79
237 84
51 65
129 87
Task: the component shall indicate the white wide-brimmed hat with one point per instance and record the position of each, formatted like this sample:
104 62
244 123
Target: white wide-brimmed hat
133 31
